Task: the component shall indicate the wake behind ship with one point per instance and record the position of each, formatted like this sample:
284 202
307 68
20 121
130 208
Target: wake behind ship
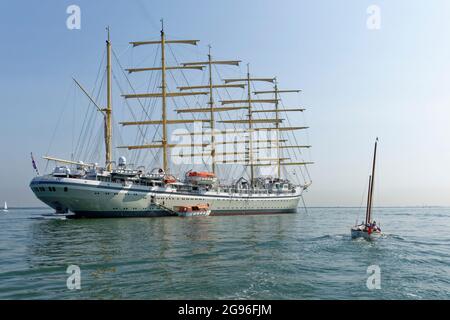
252 140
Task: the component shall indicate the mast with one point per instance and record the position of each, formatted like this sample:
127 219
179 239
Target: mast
163 103
278 121
372 181
250 121
368 200
250 126
211 114
277 126
163 94
211 109
108 110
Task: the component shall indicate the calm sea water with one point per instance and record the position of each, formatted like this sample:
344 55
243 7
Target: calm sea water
298 256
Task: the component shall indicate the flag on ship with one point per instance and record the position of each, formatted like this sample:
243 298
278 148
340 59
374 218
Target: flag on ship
34 164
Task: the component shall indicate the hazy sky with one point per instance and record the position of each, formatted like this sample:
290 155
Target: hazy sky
358 83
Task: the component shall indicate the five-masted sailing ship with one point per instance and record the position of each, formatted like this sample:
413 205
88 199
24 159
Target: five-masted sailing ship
124 190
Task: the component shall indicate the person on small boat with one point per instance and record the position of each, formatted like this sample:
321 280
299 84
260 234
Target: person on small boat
375 227
372 227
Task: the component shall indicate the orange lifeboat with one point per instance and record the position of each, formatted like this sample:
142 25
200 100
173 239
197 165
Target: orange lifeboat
192 211
202 174
169 179
201 178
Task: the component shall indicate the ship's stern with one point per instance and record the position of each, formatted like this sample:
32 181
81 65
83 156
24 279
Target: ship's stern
46 194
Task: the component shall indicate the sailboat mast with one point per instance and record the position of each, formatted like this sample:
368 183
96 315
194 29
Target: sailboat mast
277 126
373 179
163 91
211 117
250 126
368 200
108 110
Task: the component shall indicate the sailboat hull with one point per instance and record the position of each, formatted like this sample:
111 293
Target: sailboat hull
356 233
95 199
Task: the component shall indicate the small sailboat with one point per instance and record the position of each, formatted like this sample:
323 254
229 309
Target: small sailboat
369 228
5 208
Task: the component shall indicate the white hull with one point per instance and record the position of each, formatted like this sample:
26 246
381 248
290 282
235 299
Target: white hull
91 198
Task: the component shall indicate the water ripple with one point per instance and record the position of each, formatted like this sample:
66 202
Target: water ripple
301 256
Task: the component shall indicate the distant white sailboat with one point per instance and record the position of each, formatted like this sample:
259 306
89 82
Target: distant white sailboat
5 208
